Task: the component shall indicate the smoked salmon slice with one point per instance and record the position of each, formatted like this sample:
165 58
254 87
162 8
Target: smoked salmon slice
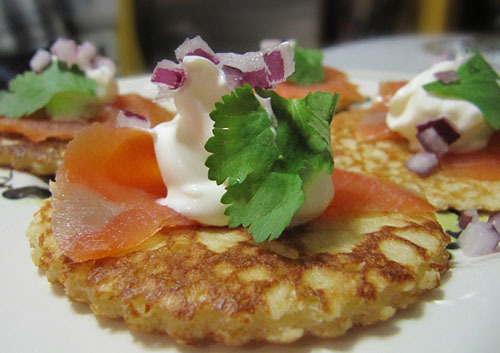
481 165
336 82
104 197
145 107
41 130
356 194
38 126
372 126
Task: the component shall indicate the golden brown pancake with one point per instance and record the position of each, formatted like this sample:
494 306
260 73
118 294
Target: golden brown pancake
218 284
39 158
385 159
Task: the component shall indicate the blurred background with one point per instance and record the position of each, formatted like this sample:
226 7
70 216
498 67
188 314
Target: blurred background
139 33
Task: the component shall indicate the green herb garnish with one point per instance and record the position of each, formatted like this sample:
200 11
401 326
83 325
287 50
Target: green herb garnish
59 89
477 83
308 67
268 161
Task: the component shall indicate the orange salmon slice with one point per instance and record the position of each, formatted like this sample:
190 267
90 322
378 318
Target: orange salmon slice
38 127
356 194
480 165
336 82
104 197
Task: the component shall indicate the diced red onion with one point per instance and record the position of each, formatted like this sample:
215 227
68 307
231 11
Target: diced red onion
432 142
195 46
446 77
495 220
443 127
248 62
435 136
85 55
65 50
41 60
252 65
258 78
478 238
255 68
234 77
422 163
466 217
129 119
279 61
169 73
266 44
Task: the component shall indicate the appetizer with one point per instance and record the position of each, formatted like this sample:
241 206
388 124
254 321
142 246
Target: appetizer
437 135
226 223
66 90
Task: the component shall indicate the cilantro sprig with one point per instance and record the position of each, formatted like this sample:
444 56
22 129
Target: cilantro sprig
59 89
308 67
268 161
477 83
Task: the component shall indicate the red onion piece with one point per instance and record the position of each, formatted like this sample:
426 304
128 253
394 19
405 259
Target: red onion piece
258 78
168 73
436 136
466 217
195 46
65 50
446 77
85 55
443 127
126 118
422 163
495 220
279 61
234 77
41 60
269 43
252 65
478 238
432 142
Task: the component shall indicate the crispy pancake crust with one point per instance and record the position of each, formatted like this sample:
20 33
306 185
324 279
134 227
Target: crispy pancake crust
386 159
39 158
217 284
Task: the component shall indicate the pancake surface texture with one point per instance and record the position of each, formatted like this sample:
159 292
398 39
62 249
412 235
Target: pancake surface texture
217 284
39 158
385 159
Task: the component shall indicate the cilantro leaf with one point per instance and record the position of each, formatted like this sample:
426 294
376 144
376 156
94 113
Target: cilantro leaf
267 166
243 141
477 83
308 67
266 203
58 88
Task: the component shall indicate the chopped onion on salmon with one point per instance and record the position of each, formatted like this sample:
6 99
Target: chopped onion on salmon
126 118
436 136
422 163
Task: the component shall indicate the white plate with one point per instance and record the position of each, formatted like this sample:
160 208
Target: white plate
461 316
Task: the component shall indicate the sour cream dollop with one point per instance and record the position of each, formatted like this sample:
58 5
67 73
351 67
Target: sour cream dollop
181 155
180 144
413 105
